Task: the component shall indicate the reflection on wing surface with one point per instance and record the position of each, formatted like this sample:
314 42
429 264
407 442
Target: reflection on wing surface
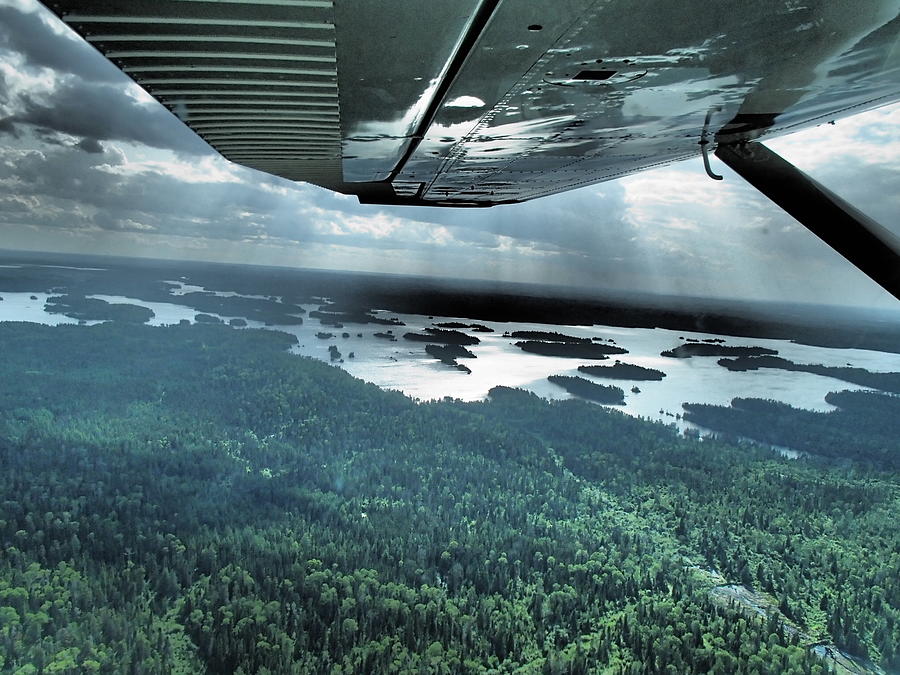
492 101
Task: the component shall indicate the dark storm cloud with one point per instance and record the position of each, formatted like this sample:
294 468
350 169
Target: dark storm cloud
104 112
8 127
28 34
90 145
89 99
68 187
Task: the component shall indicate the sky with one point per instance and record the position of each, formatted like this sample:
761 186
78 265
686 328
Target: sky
89 163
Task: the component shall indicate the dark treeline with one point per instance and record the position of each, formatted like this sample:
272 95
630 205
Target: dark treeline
623 371
442 336
548 336
689 349
195 498
477 327
578 350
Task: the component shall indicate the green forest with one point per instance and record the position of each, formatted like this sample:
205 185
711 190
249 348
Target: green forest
863 427
195 499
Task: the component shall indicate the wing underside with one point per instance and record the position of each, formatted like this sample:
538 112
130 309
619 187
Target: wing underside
481 102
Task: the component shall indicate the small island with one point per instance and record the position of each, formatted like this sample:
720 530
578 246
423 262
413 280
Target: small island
547 336
337 315
93 309
446 337
599 393
385 336
447 354
477 327
579 350
623 371
237 323
690 349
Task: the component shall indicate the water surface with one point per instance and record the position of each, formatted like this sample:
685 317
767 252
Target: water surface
403 365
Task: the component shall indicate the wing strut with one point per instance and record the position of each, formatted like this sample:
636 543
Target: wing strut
480 20
862 241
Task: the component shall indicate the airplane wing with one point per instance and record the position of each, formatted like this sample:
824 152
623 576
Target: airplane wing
484 102
480 102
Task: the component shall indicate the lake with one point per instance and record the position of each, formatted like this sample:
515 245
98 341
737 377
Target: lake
403 365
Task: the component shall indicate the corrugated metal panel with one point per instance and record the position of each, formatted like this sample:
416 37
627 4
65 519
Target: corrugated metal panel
256 79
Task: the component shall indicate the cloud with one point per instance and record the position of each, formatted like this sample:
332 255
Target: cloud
56 83
72 109
8 127
44 42
90 145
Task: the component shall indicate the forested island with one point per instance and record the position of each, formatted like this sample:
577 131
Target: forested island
884 381
337 315
263 310
94 309
591 391
580 350
447 354
547 336
385 335
197 499
690 349
623 371
442 336
477 327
